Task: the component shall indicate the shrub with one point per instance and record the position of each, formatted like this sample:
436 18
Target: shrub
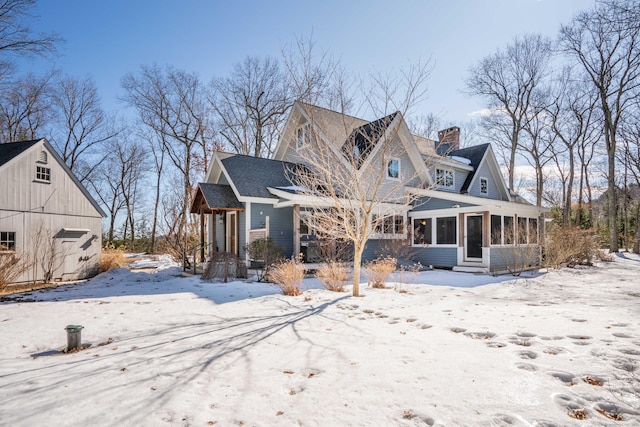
12 266
264 253
377 271
333 276
288 276
568 246
112 257
224 265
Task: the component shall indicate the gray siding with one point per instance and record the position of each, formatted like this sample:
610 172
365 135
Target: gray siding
280 225
439 257
484 172
431 203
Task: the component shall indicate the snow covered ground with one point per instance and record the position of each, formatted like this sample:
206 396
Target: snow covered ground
438 349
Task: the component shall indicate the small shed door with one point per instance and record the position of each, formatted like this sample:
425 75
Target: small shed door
473 238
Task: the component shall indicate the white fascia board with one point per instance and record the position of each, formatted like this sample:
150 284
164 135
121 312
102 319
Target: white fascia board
283 143
479 201
439 160
496 166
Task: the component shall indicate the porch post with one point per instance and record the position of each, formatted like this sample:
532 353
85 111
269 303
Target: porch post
296 230
213 239
201 236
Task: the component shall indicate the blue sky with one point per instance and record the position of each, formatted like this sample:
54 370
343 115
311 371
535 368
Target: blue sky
107 39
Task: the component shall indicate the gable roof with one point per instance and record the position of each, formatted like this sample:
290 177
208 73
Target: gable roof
12 149
365 138
475 155
215 197
252 175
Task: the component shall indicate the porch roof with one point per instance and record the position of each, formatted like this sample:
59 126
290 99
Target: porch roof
215 197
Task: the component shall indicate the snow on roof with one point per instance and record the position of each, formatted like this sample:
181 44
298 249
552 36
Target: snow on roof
460 159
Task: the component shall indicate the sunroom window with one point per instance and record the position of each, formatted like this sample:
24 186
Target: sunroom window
446 230
422 231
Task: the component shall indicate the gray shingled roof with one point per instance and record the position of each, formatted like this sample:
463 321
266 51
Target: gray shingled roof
219 196
474 155
252 175
12 149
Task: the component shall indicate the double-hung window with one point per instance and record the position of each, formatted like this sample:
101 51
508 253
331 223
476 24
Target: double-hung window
444 178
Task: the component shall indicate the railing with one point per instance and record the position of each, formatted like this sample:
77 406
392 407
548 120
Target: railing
192 264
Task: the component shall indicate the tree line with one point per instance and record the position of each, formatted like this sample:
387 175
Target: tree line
569 104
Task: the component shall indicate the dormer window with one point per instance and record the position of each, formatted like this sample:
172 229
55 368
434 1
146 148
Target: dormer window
444 178
303 135
43 174
484 186
393 169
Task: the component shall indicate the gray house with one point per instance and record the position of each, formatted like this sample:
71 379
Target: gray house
47 213
463 215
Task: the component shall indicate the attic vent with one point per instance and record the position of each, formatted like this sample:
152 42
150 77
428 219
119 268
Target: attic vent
43 157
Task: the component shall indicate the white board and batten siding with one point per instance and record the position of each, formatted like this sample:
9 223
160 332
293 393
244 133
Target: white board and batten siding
61 206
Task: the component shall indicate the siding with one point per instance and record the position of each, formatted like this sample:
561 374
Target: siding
439 257
280 225
27 205
484 172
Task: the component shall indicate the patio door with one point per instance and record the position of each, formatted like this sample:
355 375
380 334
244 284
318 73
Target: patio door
473 237
232 232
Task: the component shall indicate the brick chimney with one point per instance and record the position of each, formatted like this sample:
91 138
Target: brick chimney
450 136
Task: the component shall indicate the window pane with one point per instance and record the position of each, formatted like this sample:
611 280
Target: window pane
533 230
399 224
446 230
496 229
376 224
484 186
508 230
388 225
522 231
393 169
7 241
422 231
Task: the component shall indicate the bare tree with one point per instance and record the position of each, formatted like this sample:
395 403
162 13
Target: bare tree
507 81
350 195
316 77
538 141
25 108
572 116
17 37
605 42
83 127
251 105
171 103
630 156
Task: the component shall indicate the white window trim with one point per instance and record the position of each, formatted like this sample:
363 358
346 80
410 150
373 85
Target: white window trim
445 172
482 178
434 232
48 181
305 128
386 172
393 235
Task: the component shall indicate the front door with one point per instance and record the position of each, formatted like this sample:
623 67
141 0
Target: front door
232 232
473 238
